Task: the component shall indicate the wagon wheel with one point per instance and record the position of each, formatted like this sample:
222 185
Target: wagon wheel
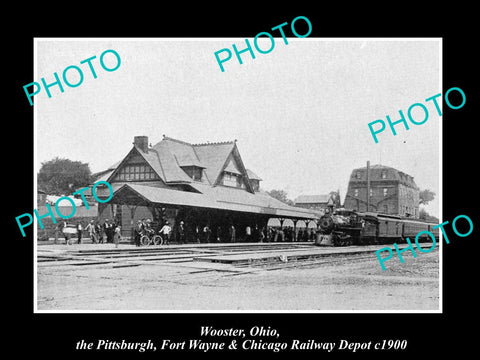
145 240
157 240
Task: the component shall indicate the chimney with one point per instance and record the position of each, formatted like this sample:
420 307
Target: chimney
141 142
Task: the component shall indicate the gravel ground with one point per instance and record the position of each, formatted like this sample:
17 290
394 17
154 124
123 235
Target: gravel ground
353 284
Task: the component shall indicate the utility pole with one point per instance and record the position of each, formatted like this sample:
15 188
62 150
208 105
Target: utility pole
368 185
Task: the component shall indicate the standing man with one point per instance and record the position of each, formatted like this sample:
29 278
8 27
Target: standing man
91 231
109 230
137 231
197 234
231 233
117 235
58 231
165 232
99 230
79 232
181 233
206 233
248 233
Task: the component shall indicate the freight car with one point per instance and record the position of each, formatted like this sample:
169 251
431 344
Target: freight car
348 227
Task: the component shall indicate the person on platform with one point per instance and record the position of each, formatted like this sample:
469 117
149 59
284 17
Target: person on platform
181 233
248 233
206 234
99 232
79 233
109 230
91 231
58 231
137 232
165 232
231 234
117 235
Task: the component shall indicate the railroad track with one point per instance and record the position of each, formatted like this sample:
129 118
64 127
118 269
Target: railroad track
307 262
153 253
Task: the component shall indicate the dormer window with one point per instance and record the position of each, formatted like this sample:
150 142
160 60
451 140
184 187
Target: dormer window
195 172
233 180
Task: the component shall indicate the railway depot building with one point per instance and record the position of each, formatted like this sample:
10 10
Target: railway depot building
390 191
199 184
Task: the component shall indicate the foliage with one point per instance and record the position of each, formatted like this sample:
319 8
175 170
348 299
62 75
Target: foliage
280 195
63 176
426 196
424 215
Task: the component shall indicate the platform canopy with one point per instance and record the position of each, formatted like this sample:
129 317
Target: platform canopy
206 197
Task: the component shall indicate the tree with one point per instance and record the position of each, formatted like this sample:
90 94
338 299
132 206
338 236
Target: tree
424 215
280 195
63 176
426 196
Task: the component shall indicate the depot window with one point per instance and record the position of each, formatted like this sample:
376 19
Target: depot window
233 180
136 172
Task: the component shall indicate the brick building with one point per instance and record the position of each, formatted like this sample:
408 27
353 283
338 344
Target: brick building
391 191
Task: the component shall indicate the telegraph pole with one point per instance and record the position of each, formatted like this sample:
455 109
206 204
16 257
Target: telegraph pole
368 185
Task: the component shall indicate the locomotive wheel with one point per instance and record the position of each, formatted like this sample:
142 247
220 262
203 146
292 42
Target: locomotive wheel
145 240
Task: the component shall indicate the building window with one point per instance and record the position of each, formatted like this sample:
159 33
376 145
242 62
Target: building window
385 209
233 180
355 192
358 175
136 173
371 192
194 172
384 175
385 191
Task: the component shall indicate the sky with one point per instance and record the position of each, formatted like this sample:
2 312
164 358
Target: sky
299 114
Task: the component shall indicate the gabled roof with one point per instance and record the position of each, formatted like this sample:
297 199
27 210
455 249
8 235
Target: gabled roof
213 156
231 168
253 176
172 173
169 155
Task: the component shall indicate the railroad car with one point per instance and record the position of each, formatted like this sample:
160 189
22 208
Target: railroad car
348 227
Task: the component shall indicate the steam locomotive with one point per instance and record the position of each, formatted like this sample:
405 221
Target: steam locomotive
348 227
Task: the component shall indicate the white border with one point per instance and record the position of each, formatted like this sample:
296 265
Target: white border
440 310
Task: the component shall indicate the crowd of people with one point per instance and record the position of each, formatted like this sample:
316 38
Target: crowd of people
110 232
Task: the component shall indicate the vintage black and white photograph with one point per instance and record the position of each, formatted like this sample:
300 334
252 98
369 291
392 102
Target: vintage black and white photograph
212 175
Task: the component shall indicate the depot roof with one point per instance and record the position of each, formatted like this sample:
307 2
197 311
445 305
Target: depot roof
221 198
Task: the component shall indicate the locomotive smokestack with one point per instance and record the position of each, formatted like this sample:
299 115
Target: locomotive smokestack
368 185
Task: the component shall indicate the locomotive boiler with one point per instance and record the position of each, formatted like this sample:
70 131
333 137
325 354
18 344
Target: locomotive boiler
341 228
